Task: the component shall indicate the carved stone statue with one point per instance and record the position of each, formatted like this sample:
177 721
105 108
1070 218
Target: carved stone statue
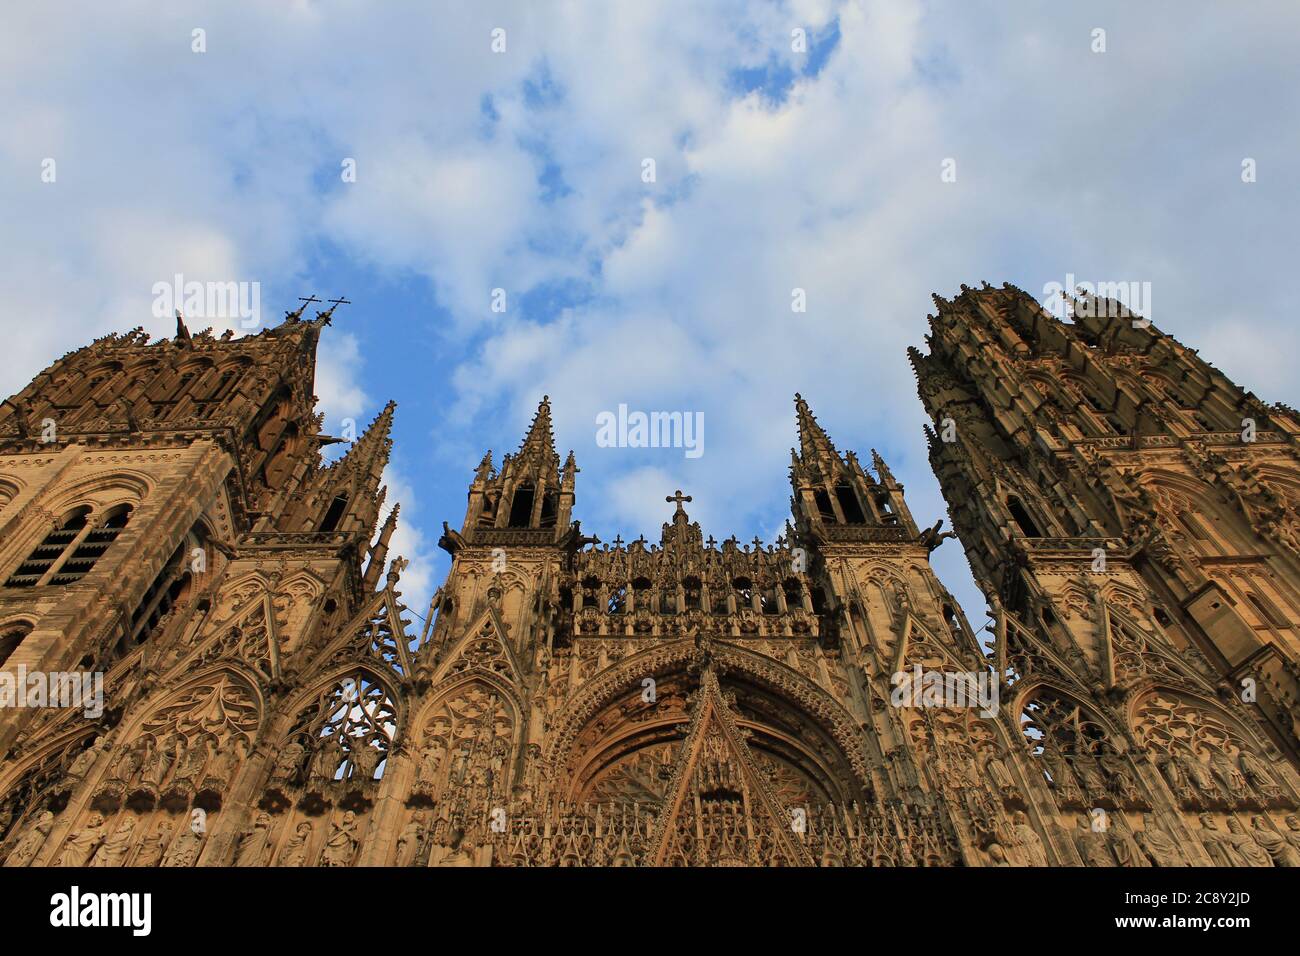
83 761
1275 844
1218 844
33 838
455 853
1093 845
191 763
1233 782
1029 850
1177 780
1198 774
254 842
1125 848
997 855
155 771
410 840
295 851
116 847
1257 775
431 755
82 844
329 754
128 763
342 842
365 760
287 764
1121 780
1293 830
1000 778
1251 853
1159 846
184 849
227 761
152 847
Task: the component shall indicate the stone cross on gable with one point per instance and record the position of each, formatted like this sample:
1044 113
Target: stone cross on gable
679 498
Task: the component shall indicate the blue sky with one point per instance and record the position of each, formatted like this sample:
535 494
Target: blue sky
522 170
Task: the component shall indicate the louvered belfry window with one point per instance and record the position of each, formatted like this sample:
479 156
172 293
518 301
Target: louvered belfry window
68 552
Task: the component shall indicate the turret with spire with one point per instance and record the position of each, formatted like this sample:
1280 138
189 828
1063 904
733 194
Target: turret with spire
834 491
530 491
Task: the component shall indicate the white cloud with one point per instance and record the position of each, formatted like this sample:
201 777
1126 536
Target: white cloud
225 165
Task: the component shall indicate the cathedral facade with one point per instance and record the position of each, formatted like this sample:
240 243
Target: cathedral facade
169 525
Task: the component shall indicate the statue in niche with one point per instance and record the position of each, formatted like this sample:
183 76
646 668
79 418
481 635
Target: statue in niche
1251 853
1088 771
326 762
191 763
410 840
1177 780
155 772
1000 777
342 843
1125 848
1122 783
152 846
998 855
82 844
1293 830
1275 844
1159 846
226 763
1233 782
431 755
365 760
1197 773
254 842
82 763
460 764
1093 845
1029 849
1218 844
295 851
115 848
33 838
287 764
1258 776
1062 776
455 852
128 763
184 849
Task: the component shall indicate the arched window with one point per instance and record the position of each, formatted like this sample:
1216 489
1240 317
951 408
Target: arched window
692 588
335 513
549 502
618 601
1021 517
823 501
172 584
68 552
10 638
521 506
744 593
849 504
279 464
1266 610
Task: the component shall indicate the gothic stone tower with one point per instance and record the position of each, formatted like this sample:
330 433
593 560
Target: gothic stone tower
1134 519
165 521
